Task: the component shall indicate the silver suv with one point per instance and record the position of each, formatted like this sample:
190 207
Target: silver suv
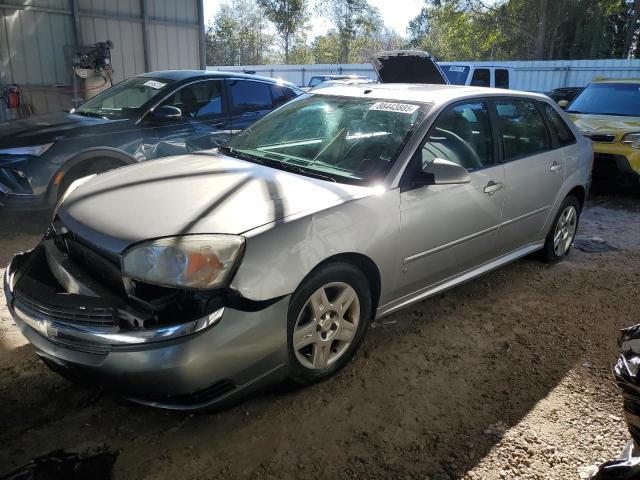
188 281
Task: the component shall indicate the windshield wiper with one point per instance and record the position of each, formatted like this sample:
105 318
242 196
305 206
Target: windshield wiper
309 172
232 152
87 113
280 164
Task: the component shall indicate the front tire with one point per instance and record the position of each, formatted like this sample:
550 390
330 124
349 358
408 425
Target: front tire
93 167
328 317
563 231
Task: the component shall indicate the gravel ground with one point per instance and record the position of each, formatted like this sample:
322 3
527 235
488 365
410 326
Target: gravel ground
505 377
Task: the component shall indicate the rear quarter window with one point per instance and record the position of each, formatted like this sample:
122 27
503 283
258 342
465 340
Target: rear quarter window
559 128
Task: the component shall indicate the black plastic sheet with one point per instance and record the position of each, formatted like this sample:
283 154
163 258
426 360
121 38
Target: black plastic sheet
627 375
627 469
60 465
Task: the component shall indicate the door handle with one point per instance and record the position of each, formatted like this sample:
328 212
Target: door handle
219 124
492 187
555 166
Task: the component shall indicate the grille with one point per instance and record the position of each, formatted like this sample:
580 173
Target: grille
37 292
206 394
102 266
81 345
80 315
602 138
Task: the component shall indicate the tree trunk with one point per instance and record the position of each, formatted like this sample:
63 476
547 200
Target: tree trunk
286 48
632 28
541 34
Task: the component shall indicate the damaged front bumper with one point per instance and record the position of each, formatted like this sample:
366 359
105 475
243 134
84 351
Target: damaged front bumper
191 364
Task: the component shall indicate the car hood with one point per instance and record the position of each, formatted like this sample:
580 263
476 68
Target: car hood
205 192
600 124
53 127
408 66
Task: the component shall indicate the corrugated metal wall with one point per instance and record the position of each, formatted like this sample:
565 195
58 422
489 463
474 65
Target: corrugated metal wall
543 76
147 35
536 76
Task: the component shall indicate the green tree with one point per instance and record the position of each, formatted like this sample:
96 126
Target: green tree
238 35
288 16
350 18
326 48
527 29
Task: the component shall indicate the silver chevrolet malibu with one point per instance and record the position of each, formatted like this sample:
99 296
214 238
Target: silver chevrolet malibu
189 281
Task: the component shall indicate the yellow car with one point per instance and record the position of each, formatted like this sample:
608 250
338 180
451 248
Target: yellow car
608 112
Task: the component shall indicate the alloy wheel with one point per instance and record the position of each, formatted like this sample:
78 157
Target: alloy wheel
565 230
326 325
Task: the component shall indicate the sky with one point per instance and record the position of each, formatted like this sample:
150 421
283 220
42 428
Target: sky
395 13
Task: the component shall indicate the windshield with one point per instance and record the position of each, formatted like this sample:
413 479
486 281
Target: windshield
353 140
456 74
125 98
608 99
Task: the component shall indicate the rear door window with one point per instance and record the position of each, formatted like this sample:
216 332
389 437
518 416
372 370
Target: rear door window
481 77
522 128
502 78
250 96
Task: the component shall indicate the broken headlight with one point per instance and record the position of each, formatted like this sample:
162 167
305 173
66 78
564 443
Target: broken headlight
192 261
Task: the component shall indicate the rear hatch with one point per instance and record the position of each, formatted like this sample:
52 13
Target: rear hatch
408 66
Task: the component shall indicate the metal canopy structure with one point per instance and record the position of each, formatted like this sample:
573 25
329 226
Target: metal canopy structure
147 35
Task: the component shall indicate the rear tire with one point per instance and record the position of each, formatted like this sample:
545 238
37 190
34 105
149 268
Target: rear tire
327 320
563 231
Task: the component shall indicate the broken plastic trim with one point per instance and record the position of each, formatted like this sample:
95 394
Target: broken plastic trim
52 328
112 336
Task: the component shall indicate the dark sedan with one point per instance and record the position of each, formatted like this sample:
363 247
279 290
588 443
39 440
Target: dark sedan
145 117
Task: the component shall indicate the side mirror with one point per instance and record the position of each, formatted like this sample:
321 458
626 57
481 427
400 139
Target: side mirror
563 104
166 112
446 172
441 172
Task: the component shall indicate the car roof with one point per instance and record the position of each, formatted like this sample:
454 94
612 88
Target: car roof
421 92
180 75
616 80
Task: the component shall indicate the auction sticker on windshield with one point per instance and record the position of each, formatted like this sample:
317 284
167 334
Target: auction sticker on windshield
154 84
394 107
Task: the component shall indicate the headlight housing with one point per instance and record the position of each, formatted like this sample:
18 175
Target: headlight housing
200 262
632 139
35 150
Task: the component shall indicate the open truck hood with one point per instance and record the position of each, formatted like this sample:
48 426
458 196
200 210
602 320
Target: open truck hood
408 66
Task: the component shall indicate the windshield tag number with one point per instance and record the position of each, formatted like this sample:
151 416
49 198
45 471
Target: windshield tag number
394 107
154 84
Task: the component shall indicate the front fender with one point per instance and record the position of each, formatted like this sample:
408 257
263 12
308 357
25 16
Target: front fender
280 255
83 156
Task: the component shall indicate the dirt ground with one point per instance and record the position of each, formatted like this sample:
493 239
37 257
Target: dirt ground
506 377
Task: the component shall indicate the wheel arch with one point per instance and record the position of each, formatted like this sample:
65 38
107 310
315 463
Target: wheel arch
362 262
83 160
580 193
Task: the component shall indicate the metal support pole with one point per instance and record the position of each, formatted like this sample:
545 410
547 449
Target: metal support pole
77 28
203 56
145 35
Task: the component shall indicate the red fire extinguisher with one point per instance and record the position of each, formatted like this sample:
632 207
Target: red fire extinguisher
11 95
